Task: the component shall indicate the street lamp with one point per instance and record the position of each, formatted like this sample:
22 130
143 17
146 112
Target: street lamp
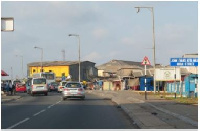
78 52
41 56
154 48
22 65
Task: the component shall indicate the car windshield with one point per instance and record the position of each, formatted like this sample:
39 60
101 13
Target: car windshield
39 81
48 76
20 84
73 85
54 84
15 82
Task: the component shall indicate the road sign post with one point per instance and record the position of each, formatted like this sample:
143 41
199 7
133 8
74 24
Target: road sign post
145 62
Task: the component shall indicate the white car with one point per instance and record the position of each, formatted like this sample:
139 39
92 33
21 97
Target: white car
39 86
73 90
61 86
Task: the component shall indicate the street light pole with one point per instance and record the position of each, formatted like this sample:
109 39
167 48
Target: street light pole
78 52
22 65
154 47
41 56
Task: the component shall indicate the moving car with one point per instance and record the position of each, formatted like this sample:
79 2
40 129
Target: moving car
73 90
20 87
61 86
53 86
39 86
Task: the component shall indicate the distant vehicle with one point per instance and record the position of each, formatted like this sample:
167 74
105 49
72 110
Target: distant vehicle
73 90
53 86
61 86
20 87
39 86
50 76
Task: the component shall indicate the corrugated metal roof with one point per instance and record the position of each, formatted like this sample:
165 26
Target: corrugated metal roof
55 63
118 64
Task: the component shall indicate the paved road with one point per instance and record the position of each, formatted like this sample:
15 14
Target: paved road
50 112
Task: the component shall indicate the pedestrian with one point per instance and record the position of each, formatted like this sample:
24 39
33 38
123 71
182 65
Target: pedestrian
7 87
12 89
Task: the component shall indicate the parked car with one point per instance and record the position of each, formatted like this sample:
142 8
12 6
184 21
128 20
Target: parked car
20 87
15 82
61 86
73 90
39 86
53 86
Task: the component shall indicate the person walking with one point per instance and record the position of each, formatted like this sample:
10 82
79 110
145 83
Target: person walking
13 89
7 87
10 87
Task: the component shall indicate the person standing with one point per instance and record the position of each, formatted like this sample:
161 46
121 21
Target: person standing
7 87
10 87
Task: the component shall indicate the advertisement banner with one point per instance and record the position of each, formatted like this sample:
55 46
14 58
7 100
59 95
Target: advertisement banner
168 74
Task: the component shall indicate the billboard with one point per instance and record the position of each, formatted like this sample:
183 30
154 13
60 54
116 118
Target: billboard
167 74
184 61
7 24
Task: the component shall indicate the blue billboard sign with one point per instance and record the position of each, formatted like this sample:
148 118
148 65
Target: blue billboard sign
183 61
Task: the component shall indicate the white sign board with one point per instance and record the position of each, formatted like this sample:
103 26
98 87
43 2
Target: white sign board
167 74
7 24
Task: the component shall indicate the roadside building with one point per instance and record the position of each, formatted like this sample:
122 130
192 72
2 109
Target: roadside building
120 74
65 68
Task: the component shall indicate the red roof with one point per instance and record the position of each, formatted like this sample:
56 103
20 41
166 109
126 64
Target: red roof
3 73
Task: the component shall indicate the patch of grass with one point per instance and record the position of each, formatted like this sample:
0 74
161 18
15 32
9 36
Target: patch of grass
170 96
184 100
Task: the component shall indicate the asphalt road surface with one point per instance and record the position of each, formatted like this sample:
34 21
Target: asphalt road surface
51 112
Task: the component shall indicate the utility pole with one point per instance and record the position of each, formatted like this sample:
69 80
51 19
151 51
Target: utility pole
154 45
63 54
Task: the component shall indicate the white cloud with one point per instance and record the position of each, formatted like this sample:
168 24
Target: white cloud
174 32
100 33
93 56
127 40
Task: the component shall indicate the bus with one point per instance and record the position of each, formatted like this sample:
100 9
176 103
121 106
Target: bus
50 76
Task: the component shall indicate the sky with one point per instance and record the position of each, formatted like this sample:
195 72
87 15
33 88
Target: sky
107 30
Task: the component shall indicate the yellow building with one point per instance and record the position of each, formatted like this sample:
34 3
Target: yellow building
60 68
64 68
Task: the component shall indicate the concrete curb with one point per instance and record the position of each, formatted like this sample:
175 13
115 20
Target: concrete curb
9 100
183 118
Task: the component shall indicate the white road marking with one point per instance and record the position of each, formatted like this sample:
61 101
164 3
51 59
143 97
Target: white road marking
58 102
51 106
39 112
26 119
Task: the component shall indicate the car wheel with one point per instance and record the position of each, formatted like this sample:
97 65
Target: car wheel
46 94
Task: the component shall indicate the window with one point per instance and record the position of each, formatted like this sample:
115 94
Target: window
33 70
73 85
39 81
